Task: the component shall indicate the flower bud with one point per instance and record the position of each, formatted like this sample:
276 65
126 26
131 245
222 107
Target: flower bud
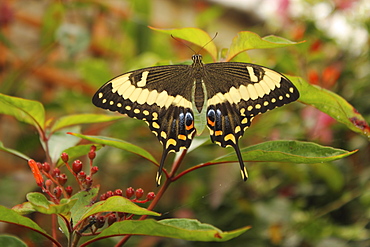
46 167
139 193
92 155
64 157
77 166
100 222
111 219
103 197
81 176
62 179
118 192
150 196
56 172
69 190
94 169
48 183
88 182
57 192
130 192
109 193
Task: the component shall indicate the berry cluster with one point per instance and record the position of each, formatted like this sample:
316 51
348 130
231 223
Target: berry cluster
99 220
130 192
55 182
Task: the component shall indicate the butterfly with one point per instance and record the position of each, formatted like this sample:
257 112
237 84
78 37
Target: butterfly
177 101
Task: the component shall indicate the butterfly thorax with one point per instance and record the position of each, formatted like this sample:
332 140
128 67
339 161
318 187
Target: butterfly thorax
199 92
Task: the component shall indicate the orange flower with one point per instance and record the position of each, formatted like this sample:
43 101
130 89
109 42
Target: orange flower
36 172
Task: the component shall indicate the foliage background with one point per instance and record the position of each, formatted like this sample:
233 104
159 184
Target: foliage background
60 52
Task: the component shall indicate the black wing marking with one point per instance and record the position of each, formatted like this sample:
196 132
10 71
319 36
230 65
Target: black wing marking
242 91
161 96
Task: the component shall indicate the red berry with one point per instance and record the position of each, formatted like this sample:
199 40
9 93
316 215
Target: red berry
150 196
88 181
92 155
111 219
62 179
48 183
46 167
57 192
69 190
56 172
121 214
77 166
81 176
103 197
93 148
130 192
64 157
100 222
109 193
39 165
139 193
118 192
94 169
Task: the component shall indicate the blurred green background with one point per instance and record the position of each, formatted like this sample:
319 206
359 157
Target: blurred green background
61 52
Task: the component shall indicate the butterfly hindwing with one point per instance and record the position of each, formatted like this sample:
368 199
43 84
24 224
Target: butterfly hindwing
242 91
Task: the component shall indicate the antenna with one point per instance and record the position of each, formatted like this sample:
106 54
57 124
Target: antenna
180 40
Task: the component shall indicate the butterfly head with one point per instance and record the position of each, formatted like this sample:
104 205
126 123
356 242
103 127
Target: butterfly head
197 60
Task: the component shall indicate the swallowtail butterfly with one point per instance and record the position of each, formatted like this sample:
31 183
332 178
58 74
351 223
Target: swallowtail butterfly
176 101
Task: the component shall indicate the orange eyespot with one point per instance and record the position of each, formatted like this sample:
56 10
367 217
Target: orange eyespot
210 122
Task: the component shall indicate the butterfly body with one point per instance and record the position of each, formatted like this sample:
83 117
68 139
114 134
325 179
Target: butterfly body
176 101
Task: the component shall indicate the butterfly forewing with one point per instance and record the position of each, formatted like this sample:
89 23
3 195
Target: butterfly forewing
228 94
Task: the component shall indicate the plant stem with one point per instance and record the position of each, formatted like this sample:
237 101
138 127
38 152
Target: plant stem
54 226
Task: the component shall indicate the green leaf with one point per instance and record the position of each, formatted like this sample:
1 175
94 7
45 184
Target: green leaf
331 104
77 151
193 35
60 141
71 120
12 151
38 199
118 204
84 199
119 144
24 110
11 241
288 151
10 216
246 40
24 208
187 229
41 204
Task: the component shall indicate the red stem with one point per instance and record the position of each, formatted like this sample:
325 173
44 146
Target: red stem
197 167
54 227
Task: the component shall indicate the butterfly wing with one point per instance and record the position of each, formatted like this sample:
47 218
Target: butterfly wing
242 92
161 96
